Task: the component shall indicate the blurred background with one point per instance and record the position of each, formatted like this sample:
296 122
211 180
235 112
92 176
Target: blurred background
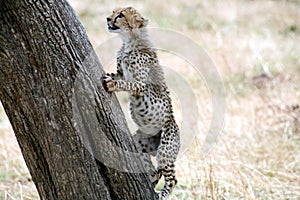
255 47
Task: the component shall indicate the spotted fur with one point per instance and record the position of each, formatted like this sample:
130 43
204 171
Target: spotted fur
140 74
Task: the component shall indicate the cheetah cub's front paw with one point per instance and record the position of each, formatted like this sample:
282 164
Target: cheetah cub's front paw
108 83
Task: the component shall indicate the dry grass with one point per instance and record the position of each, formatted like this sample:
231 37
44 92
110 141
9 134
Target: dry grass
15 181
254 45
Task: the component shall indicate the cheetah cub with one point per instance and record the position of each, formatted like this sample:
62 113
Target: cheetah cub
140 74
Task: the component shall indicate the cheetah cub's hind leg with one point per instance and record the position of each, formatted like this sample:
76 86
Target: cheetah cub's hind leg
166 157
147 145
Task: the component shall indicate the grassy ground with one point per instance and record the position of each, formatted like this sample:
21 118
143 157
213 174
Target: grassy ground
255 47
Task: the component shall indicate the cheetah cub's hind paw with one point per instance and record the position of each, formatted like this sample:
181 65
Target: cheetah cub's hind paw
163 195
155 176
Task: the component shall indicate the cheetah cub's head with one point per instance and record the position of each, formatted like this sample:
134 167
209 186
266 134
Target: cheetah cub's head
125 19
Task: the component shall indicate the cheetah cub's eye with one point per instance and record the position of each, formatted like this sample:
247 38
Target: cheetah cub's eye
120 16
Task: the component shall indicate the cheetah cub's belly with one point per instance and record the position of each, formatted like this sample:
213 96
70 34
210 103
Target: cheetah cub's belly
148 112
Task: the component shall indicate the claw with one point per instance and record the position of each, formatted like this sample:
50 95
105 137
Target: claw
106 78
108 83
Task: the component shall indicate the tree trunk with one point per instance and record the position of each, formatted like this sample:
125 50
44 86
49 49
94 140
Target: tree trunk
72 134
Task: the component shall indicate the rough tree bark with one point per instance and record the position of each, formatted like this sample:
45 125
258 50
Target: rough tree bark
58 108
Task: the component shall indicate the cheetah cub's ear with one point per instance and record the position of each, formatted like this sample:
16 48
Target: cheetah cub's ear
136 20
144 22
